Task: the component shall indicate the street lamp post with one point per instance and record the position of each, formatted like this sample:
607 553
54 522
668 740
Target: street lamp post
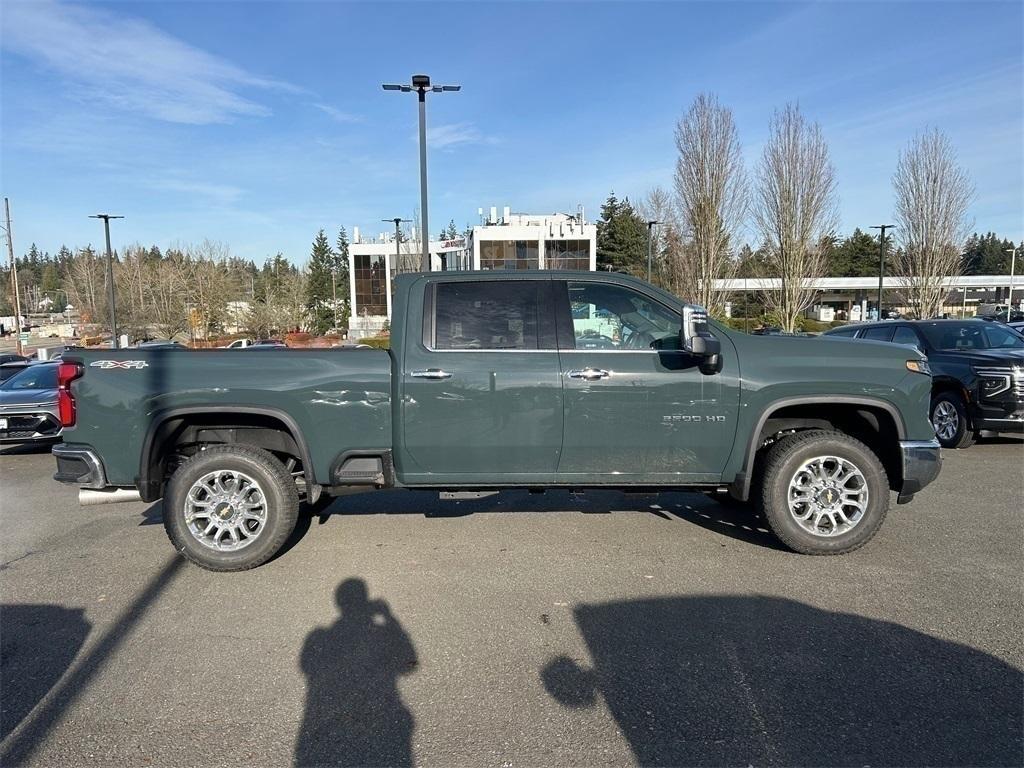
398 221
421 84
1013 267
650 225
881 262
110 276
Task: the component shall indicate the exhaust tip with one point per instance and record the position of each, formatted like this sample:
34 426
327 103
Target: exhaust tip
88 497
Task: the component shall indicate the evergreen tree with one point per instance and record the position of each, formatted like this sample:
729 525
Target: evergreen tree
452 233
318 286
621 238
856 256
987 255
341 260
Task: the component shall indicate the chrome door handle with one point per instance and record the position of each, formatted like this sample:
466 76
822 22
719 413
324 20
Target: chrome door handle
588 374
431 373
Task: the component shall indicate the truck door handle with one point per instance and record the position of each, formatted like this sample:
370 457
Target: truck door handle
589 374
431 373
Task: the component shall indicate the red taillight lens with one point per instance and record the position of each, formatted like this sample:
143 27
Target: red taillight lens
66 373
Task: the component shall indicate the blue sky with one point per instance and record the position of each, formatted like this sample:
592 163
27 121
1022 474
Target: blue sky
255 124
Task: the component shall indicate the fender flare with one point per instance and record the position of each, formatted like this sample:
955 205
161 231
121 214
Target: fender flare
740 486
149 487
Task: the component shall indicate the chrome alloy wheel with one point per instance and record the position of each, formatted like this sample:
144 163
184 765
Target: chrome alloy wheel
828 496
945 420
226 510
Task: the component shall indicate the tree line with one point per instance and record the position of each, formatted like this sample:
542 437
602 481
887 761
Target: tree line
192 290
789 202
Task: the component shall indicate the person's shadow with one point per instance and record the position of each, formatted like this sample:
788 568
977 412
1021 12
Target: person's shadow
354 714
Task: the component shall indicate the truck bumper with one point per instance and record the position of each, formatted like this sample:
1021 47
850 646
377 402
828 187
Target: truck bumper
80 465
922 460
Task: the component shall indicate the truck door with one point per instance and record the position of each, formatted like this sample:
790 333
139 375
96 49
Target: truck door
482 389
637 408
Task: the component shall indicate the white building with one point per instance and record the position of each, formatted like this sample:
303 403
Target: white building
515 241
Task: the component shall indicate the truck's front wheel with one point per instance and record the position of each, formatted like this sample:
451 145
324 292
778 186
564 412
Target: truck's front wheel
823 493
230 507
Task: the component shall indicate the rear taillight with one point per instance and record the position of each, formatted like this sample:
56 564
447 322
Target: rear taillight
66 373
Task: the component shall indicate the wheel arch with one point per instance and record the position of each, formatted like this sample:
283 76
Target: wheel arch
166 426
817 412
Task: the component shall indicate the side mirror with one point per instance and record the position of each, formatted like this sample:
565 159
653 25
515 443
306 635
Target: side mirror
697 339
694 335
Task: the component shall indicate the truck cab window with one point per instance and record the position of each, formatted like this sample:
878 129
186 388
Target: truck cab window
906 335
613 317
486 315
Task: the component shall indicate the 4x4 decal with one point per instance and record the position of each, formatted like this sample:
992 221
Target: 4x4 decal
108 364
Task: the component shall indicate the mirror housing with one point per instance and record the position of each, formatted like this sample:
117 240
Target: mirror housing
696 338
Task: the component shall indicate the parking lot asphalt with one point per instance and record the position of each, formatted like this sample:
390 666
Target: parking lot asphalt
517 630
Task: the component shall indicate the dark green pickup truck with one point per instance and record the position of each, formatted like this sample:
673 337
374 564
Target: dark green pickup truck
495 380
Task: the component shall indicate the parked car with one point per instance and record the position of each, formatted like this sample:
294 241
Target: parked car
10 357
268 344
238 344
977 372
28 405
484 387
9 369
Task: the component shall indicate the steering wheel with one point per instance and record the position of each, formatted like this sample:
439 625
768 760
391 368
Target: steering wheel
638 340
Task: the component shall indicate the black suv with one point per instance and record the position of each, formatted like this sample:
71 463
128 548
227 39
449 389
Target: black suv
977 369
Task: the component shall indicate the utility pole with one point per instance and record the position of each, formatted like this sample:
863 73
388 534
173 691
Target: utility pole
881 262
650 226
14 276
421 84
1009 298
110 277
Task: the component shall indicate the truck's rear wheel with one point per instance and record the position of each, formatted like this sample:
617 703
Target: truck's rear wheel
823 493
230 507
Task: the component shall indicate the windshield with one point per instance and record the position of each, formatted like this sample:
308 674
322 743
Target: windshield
35 377
971 335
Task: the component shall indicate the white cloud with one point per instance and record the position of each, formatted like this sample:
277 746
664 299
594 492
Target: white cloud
338 115
453 134
131 64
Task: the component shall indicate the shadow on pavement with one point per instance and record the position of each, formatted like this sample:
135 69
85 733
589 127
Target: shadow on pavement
696 508
22 744
762 681
354 713
38 643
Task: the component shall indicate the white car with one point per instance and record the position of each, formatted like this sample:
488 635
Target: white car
238 344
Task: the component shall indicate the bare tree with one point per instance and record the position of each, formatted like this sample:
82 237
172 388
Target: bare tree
795 209
932 196
711 187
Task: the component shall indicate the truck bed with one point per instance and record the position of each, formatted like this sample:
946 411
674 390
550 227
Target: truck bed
334 397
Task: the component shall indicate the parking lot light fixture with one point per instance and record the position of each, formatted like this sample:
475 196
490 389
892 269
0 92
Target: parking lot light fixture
1013 268
421 84
110 276
881 262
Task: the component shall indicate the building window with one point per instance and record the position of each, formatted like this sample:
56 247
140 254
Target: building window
509 254
486 315
567 254
371 289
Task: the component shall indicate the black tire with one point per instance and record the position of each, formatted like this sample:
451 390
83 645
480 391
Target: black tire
281 506
781 464
964 435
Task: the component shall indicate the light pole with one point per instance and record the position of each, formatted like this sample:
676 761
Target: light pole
1013 267
110 276
14 278
398 221
421 84
650 225
881 262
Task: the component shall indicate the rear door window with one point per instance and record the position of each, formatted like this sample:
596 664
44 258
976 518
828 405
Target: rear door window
487 315
906 335
846 333
881 333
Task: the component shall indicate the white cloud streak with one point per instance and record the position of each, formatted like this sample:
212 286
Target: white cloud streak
130 64
453 134
338 115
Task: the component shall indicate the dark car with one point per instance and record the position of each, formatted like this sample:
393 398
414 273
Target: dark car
977 370
160 344
9 369
28 405
10 357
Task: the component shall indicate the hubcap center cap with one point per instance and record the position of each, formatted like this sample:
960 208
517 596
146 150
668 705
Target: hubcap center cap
224 510
827 497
